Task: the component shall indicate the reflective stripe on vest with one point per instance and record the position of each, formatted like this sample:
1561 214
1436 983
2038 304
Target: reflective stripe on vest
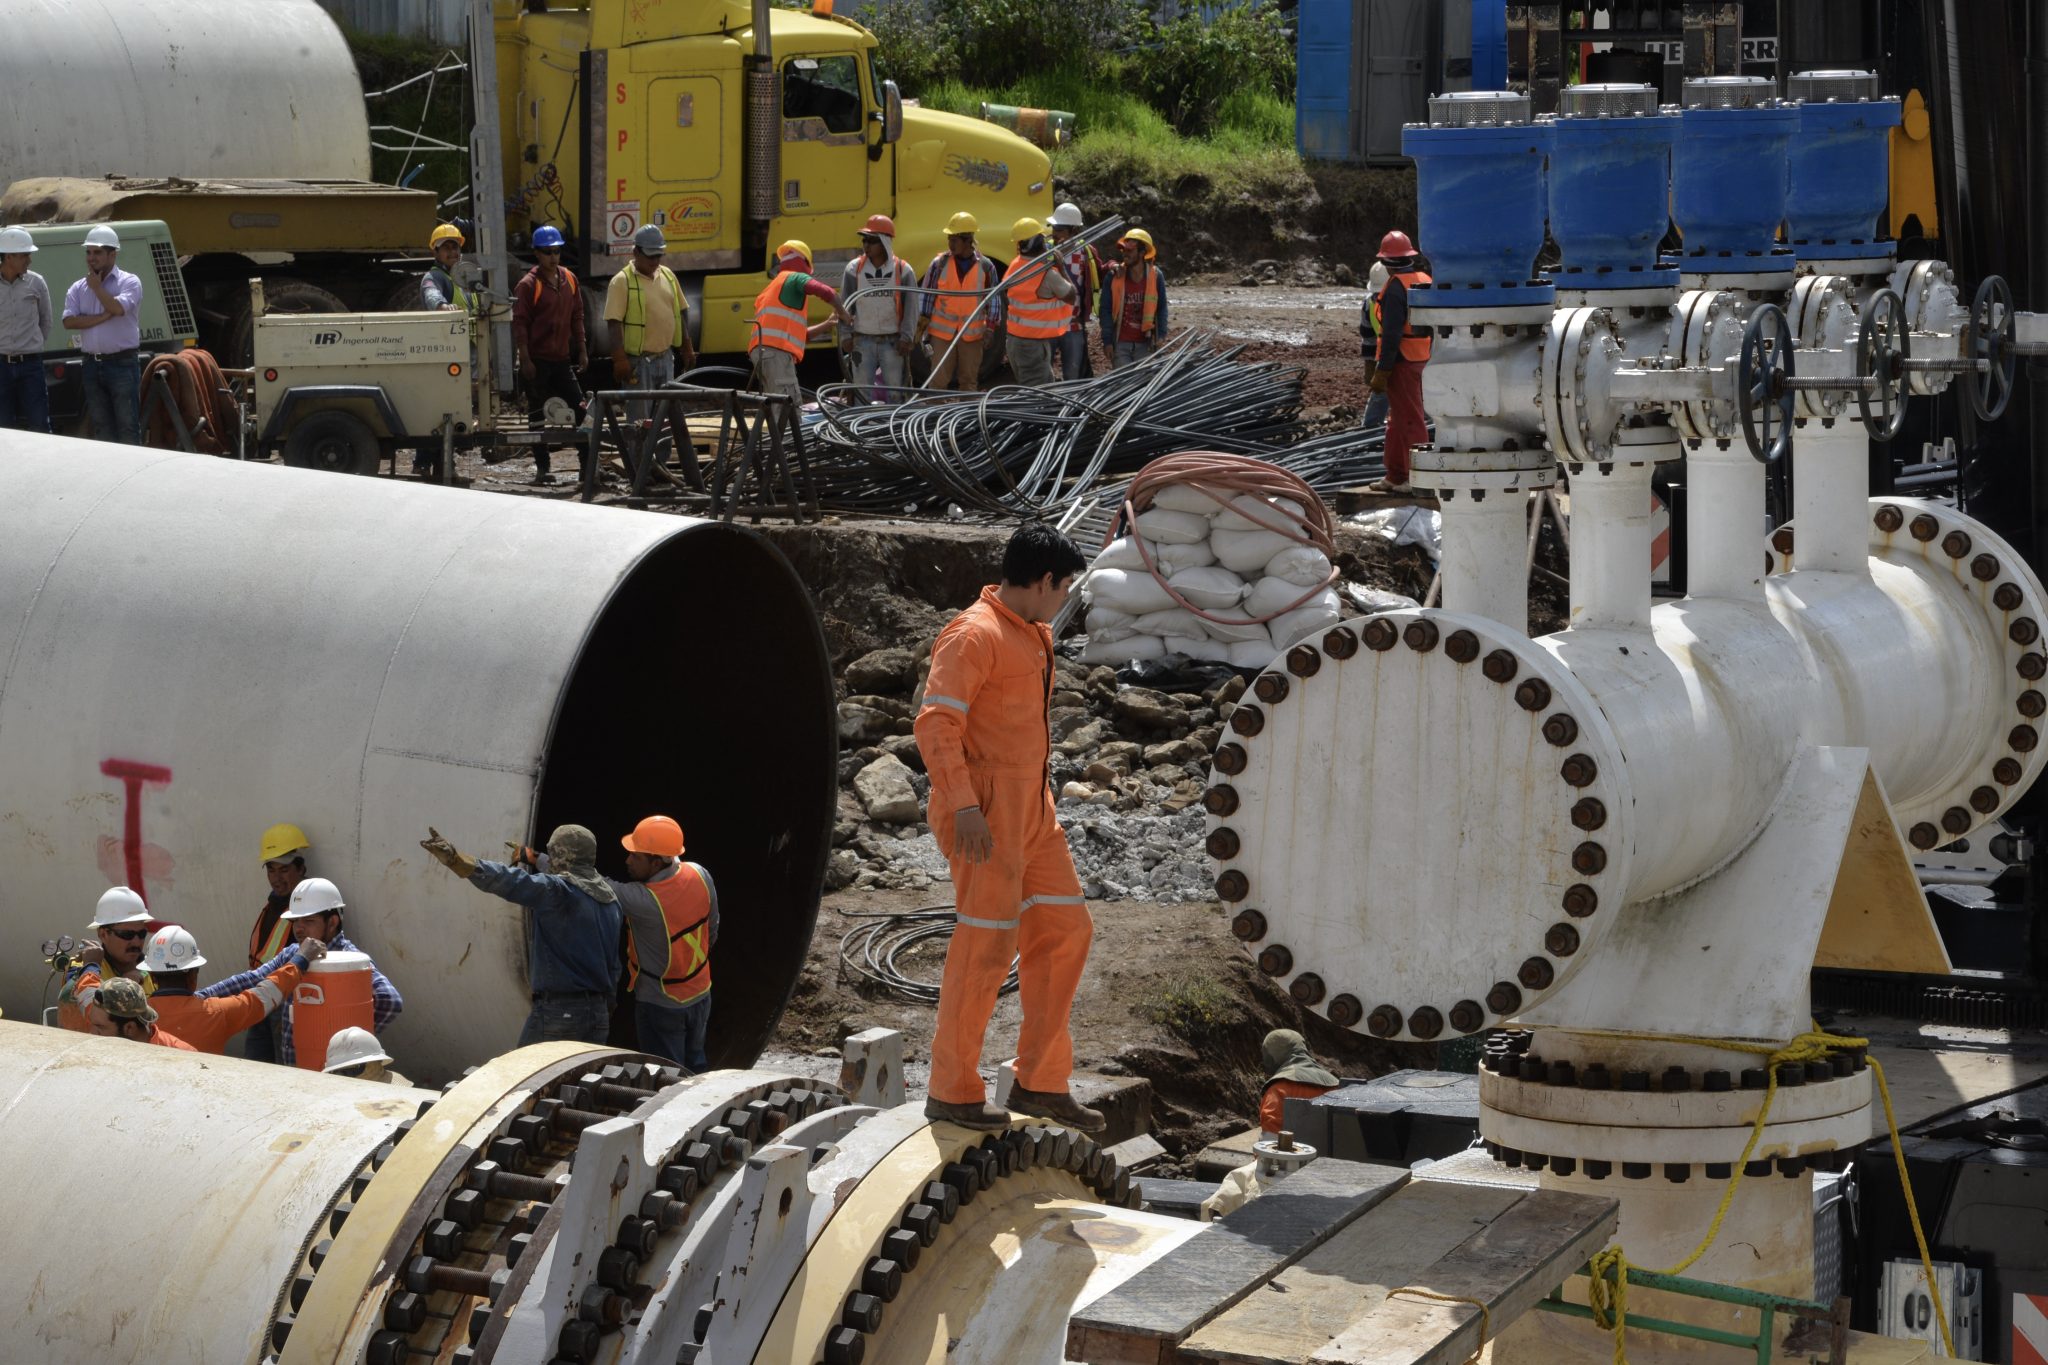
262 949
950 310
1116 299
1034 314
634 324
781 326
450 290
686 911
1414 345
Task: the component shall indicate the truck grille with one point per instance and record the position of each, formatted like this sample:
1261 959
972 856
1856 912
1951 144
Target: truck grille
177 307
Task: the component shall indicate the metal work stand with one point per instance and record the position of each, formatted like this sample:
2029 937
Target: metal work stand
758 437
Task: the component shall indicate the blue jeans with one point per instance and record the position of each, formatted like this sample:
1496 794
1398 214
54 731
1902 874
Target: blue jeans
1124 353
1375 411
873 353
24 396
1073 355
676 1033
567 1019
259 1041
113 402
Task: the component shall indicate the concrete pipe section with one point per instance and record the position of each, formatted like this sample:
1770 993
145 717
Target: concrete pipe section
192 649
561 1203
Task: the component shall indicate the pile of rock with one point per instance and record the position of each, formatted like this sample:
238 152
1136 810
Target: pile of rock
1128 765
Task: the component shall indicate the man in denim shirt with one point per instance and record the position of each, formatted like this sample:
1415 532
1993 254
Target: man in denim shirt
572 936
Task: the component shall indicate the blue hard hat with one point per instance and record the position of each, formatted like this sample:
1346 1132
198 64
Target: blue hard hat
548 235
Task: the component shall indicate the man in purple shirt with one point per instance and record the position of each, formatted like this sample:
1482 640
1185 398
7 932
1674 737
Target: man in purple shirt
104 306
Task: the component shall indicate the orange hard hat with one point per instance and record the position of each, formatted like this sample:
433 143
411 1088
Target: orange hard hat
657 836
1395 245
881 225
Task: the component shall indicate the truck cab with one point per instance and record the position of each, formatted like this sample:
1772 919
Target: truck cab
670 112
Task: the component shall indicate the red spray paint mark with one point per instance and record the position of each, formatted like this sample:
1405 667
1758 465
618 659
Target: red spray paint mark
133 776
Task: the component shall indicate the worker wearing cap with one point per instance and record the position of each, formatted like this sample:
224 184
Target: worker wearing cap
315 913
781 330
572 934
121 1010
207 1018
671 910
1397 366
1037 305
1133 301
952 316
283 849
103 306
1369 326
649 317
356 1053
984 731
547 331
438 290
1291 1074
121 922
1082 265
878 286
24 333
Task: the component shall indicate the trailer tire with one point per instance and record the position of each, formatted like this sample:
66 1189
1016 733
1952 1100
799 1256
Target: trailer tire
279 296
336 441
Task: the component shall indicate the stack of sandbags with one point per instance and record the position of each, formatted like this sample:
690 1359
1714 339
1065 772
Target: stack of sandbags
1245 591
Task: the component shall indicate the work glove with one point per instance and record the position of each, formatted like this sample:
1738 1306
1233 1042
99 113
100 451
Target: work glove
1372 368
447 855
310 951
521 855
1378 380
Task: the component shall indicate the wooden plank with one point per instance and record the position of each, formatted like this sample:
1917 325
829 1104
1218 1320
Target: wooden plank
1524 1254
1140 1153
1304 1307
1147 1317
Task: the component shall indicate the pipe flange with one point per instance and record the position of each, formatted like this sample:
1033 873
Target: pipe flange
1455 934
1580 353
1642 1143
1633 1099
1483 471
1935 319
1707 334
1823 317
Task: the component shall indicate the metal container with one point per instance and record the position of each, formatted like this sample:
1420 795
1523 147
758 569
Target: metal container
1840 166
1039 127
1729 174
1480 202
1610 180
202 88
193 649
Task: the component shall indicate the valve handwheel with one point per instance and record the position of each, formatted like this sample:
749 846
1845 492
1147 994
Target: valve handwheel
1881 347
1767 400
1989 345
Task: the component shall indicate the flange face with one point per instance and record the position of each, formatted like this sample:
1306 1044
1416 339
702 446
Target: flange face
1420 822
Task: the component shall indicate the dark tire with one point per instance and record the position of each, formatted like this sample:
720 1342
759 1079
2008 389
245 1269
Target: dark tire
338 442
279 296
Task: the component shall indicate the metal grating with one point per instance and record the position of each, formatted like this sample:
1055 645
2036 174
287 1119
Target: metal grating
1825 87
1610 99
171 284
1729 92
1478 109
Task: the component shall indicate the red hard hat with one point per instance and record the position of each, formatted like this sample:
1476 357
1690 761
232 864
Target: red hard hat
657 836
881 225
1395 245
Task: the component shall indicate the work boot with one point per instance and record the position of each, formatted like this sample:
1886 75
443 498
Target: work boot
980 1114
1059 1106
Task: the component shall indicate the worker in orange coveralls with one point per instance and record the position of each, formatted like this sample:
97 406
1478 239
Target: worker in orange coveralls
984 732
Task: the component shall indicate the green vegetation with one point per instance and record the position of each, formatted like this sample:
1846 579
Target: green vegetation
1195 1009
383 61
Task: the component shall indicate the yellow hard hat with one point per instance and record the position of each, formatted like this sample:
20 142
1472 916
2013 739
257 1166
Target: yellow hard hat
281 841
962 225
1024 229
793 247
1143 239
447 232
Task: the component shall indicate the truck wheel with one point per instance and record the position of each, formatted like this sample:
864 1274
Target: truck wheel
279 296
338 442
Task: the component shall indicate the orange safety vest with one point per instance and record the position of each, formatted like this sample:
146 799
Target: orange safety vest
950 310
686 909
781 326
264 947
1034 314
1414 345
1151 305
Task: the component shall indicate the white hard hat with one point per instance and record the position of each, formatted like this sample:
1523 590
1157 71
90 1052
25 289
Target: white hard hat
313 896
1066 215
15 239
171 949
1376 278
102 235
119 906
353 1047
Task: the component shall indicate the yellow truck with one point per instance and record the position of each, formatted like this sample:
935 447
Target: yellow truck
734 127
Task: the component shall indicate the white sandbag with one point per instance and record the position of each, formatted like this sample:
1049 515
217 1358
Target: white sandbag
1211 589
1252 654
1320 614
1182 497
1131 591
1303 565
1171 559
1238 628
1248 552
1270 596
1198 647
1171 527
1246 506
1115 652
1107 625
1172 621
1121 553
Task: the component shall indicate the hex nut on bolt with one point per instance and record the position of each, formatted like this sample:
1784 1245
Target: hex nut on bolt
1276 960
1560 730
1233 886
1504 999
1303 661
1467 1016
1345 1011
1501 666
1589 813
1247 720
2023 631
2030 704
1231 759
1249 925
1781 540
1307 989
2023 738
1561 940
1271 688
2032 666
1589 859
1579 770
1537 974
1984 568
1462 647
1420 636
2007 597
1427 1022
1222 844
1923 528
1955 544
1384 1021
1340 643
1923 835
1580 900
1220 801
1889 518
1379 634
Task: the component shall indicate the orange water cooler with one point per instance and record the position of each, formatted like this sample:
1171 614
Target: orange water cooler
333 994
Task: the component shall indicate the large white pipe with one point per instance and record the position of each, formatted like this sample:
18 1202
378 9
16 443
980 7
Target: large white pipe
192 649
1610 560
1724 522
1484 566
1831 497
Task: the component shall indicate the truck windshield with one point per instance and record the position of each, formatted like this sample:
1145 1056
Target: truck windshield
826 89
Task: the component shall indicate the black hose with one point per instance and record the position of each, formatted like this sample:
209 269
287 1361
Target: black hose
869 950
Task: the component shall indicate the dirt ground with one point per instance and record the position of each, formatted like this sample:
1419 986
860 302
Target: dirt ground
1316 328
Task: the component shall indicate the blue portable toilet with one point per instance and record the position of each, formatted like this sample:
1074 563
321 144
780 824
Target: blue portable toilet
1364 69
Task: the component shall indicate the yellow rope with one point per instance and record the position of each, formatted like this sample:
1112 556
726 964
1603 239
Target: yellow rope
1485 1317
1609 1302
